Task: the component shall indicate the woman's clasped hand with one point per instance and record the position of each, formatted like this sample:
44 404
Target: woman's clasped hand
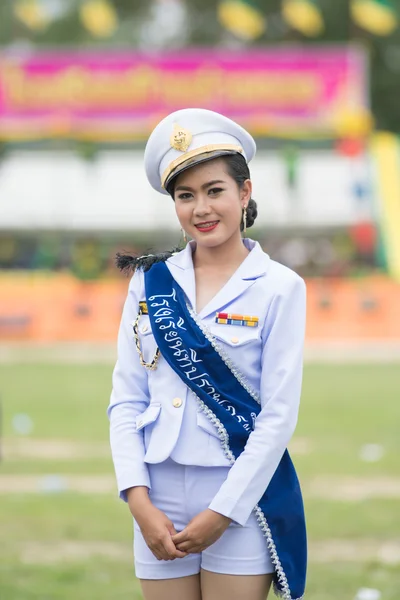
160 534
201 532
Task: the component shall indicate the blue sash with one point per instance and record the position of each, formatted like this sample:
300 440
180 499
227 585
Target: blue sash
232 407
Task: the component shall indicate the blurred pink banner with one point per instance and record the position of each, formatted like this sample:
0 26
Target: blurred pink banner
120 95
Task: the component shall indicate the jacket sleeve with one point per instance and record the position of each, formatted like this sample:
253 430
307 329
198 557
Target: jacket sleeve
129 398
281 378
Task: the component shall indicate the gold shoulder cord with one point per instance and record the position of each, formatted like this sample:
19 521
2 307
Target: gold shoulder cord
153 364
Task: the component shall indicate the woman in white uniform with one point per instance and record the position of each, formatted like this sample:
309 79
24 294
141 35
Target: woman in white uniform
207 384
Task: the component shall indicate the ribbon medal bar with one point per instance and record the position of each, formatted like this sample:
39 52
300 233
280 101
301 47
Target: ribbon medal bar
233 319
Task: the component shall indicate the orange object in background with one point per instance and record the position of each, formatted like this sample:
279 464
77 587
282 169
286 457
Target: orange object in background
353 310
40 307
59 308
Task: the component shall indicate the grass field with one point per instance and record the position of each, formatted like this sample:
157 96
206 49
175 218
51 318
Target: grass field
75 543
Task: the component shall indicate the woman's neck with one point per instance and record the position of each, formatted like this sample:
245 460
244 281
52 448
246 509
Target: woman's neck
231 253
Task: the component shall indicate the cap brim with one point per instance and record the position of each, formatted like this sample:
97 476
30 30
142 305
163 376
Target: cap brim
196 160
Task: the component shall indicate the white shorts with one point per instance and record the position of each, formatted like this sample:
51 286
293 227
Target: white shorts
182 492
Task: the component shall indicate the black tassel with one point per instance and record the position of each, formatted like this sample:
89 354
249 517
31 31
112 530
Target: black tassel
128 263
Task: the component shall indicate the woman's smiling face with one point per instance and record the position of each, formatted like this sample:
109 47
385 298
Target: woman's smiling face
209 202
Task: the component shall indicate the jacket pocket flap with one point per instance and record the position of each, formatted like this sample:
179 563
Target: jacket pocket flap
148 416
234 335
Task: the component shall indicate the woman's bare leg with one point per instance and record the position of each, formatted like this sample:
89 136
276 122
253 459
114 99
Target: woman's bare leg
215 586
181 588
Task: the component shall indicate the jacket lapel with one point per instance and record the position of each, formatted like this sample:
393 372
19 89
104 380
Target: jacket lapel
254 266
231 290
181 269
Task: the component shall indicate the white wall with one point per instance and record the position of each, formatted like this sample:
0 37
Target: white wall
50 190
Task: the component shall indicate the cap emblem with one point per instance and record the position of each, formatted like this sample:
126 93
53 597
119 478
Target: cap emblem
181 138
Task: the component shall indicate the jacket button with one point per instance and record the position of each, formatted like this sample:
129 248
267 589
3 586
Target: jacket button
234 340
177 402
144 328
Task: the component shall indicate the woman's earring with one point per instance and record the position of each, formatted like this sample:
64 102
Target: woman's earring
184 235
244 218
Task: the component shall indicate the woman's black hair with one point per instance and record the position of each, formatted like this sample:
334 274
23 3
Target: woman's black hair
239 171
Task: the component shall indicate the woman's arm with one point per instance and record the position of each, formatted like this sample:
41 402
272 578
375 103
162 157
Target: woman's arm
281 378
129 398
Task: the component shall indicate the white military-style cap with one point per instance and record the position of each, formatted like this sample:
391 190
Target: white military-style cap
188 137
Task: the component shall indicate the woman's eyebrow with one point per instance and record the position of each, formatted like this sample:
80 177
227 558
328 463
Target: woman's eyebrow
183 187
204 186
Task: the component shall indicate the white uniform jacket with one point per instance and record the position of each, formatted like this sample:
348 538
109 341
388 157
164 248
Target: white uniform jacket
153 414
